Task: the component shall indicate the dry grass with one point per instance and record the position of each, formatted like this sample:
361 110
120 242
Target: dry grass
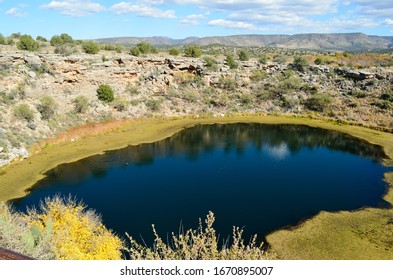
200 244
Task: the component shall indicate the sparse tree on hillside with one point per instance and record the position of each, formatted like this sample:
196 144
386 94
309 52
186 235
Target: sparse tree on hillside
27 43
90 47
193 51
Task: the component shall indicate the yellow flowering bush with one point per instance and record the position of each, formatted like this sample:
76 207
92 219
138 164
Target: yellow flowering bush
77 233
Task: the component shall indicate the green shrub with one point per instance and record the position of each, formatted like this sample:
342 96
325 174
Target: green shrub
2 39
153 104
227 83
318 61
90 47
27 43
16 35
388 96
174 51
81 103
192 51
258 75
67 39
243 55
56 40
146 48
299 63
23 111
318 102
47 107
135 51
42 39
105 93
210 63
10 41
281 59
231 61
262 59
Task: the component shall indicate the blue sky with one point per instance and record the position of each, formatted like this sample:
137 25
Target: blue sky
90 19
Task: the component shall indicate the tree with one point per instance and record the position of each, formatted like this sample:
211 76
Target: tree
90 47
192 51
67 39
243 55
47 107
105 93
27 43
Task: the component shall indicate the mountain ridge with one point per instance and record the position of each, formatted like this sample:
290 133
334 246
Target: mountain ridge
309 41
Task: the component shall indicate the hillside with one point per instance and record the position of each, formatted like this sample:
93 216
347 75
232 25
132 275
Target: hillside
338 41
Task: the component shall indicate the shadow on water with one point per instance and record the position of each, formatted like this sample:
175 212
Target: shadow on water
262 177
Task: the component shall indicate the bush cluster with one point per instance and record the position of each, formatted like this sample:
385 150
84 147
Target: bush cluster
105 93
27 43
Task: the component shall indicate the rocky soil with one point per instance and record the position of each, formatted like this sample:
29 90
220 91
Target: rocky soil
164 85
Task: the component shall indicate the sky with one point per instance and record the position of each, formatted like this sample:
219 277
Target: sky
92 19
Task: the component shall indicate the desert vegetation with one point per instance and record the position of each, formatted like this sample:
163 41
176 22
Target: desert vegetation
65 229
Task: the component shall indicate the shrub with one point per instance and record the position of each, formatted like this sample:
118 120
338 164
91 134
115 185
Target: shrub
243 55
299 63
81 103
227 83
77 233
174 51
318 102
200 244
262 59
153 104
42 39
210 63
105 93
27 43
2 39
146 48
56 40
18 235
258 75
318 61
120 105
388 96
65 49
23 111
192 51
231 61
10 41
135 51
67 39
90 47
47 107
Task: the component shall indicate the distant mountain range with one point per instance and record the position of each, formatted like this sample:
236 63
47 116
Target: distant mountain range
335 41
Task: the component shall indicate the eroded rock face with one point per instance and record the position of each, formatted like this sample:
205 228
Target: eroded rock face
168 86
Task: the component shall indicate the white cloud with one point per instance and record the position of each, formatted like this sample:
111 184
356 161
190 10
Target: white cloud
388 21
15 12
375 8
75 8
142 10
192 19
232 24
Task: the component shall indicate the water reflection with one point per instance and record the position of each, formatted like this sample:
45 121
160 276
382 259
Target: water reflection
280 142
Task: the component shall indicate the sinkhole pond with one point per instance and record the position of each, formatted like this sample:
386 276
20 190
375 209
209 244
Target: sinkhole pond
259 177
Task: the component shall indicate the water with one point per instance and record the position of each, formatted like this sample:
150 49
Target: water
260 177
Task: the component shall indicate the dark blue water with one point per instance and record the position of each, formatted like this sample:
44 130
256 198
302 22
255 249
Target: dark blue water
260 177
